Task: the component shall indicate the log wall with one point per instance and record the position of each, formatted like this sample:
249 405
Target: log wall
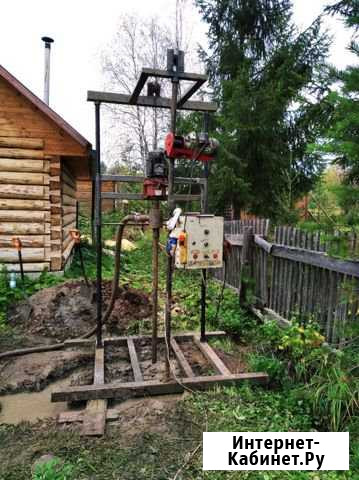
68 211
84 194
21 119
25 202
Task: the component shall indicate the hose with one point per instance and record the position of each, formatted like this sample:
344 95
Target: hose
140 219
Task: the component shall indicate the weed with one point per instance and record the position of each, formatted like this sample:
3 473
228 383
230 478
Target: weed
54 470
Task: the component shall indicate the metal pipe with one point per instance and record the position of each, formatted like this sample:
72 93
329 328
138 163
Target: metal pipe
171 205
204 205
48 41
156 222
98 228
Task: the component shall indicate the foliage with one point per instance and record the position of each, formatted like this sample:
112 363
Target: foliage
340 143
333 395
321 376
270 80
54 470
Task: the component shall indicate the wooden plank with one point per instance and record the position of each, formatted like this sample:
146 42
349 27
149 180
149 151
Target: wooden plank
318 259
117 390
138 88
68 209
234 240
19 178
68 200
67 190
68 218
212 357
24 216
31 267
182 361
14 228
18 165
282 321
266 246
99 367
134 360
186 336
28 241
94 420
67 239
157 102
29 255
18 142
78 416
23 204
68 179
20 153
190 92
67 252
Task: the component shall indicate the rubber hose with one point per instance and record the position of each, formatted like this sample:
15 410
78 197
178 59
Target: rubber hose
119 235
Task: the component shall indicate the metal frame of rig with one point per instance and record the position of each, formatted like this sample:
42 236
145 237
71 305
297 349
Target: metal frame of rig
96 413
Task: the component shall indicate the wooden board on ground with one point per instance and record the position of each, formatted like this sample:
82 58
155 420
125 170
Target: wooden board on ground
94 419
212 357
141 389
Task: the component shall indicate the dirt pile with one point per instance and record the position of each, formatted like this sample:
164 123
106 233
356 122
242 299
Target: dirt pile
69 310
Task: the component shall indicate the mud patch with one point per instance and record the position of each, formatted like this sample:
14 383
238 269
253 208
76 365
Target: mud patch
68 310
31 407
33 372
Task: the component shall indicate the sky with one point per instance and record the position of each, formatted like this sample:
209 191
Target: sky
83 28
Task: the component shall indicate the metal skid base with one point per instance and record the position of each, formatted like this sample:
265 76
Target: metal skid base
94 417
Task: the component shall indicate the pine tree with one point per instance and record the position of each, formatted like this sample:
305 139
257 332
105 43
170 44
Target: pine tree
269 80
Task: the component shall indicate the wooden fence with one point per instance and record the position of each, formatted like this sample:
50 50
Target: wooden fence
292 275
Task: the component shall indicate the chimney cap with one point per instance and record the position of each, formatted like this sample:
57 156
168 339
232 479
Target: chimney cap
47 39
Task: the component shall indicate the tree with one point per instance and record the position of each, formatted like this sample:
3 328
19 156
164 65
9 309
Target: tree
131 132
341 141
134 131
269 80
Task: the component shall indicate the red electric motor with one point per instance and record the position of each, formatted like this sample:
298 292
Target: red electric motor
192 147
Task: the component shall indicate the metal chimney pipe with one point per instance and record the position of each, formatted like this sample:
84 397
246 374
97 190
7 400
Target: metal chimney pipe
48 41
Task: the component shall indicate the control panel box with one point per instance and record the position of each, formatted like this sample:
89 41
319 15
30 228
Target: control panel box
199 242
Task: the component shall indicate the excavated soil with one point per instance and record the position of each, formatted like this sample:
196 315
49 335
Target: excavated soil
68 311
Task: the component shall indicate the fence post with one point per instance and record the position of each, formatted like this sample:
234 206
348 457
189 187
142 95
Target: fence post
246 264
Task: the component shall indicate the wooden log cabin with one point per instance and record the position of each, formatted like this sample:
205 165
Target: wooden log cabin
41 157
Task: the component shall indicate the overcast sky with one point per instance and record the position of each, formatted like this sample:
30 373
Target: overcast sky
82 28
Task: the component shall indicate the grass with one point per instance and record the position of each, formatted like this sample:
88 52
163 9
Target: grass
310 389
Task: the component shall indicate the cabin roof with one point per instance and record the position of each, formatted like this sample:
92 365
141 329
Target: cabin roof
43 107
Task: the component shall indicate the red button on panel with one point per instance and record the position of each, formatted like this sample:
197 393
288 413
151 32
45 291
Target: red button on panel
215 255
